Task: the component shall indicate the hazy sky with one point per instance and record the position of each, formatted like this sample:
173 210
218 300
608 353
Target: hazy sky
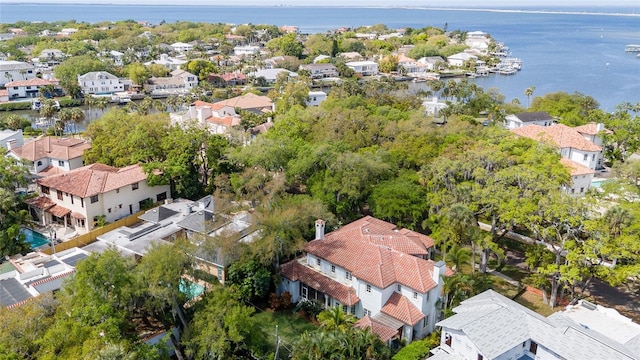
424 3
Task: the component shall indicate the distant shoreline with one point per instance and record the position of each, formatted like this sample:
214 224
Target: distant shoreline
495 10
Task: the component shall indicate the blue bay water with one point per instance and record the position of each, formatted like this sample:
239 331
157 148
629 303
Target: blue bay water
560 51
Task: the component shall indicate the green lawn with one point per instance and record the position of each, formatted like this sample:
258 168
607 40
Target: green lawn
290 325
534 302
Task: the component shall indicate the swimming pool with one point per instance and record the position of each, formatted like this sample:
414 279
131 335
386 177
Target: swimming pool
34 238
596 183
191 289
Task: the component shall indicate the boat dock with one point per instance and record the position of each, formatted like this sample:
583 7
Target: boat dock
632 48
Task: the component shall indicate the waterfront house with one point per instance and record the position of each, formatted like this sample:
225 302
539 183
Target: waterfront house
492 327
246 50
433 106
459 59
364 68
227 79
15 70
514 121
28 88
250 102
180 82
50 155
373 270
77 198
100 82
320 71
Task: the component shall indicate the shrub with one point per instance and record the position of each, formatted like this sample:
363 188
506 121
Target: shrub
66 102
10 106
418 349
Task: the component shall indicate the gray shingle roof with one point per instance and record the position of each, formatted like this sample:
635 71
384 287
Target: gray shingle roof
534 116
496 324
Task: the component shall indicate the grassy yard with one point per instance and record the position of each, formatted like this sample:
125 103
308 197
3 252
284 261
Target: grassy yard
290 325
502 287
534 302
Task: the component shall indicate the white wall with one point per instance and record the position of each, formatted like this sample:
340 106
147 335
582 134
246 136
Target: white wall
580 184
579 157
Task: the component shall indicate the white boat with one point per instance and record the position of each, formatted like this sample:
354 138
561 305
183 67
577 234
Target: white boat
507 70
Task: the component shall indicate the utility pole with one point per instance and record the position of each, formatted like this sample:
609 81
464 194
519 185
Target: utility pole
275 357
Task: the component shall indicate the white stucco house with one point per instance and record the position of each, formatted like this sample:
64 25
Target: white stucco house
316 98
373 270
321 71
74 199
49 155
459 58
364 68
218 118
181 47
16 70
11 138
100 82
246 50
514 121
271 75
28 88
180 82
490 326
581 156
167 61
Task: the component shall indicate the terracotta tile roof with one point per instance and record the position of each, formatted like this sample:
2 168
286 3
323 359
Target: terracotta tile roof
51 170
248 101
590 129
383 331
41 202
234 76
559 135
576 169
228 121
59 211
30 82
94 179
215 106
399 307
295 271
4 92
52 148
359 248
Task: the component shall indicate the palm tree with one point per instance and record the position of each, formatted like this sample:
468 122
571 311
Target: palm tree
65 115
335 319
48 109
101 103
529 92
462 223
457 256
77 116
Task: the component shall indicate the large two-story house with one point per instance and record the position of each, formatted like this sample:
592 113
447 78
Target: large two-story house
100 82
373 270
51 156
75 199
490 326
514 121
578 147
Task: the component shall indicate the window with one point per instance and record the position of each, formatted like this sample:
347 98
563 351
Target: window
480 357
368 288
353 310
71 197
117 191
367 312
120 206
39 163
318 262
60 162
109 210
426 298
347 275
344 309
220 273
425 321
447 339
533 347
81 202
161 196
59 194
586 156
94 199
415 294
45 190
134 186
333 268
581 189
593 158
399 288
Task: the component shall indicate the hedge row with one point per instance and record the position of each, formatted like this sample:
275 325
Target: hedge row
10 106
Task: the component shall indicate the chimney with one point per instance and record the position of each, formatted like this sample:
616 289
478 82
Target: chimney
320 229
438 270
11 143
599 127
